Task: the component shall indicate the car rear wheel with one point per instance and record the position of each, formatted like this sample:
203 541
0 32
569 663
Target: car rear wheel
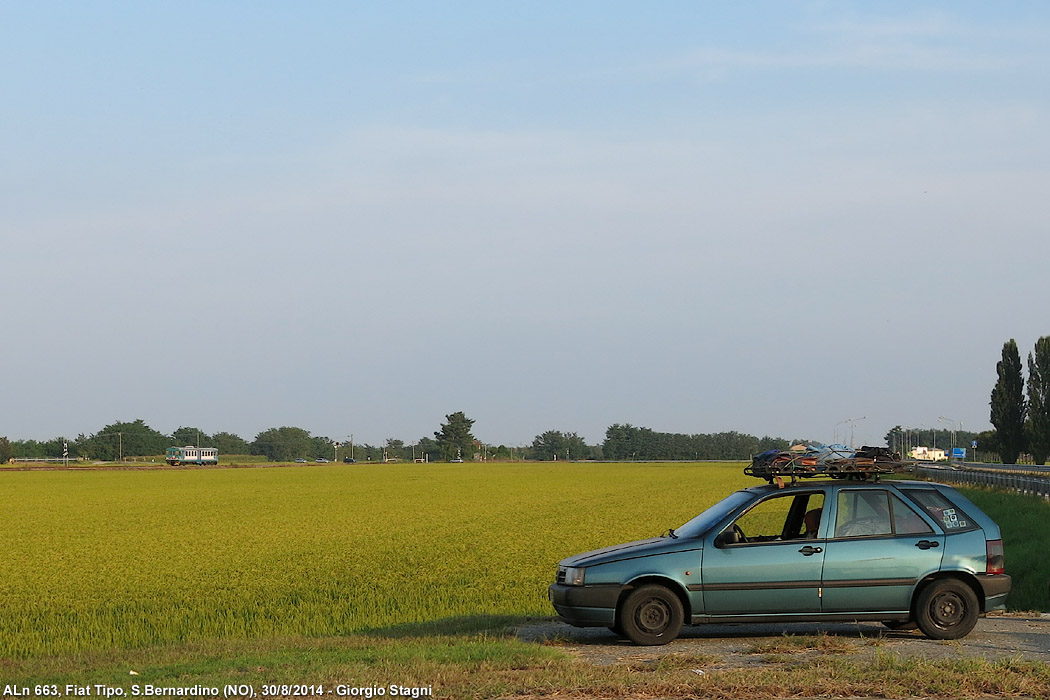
651 615
947 609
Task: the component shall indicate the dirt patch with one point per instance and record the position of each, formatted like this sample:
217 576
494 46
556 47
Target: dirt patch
742 645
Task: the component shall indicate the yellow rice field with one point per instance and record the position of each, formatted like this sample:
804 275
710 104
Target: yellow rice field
101 560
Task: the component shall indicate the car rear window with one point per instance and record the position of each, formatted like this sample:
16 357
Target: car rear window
948 515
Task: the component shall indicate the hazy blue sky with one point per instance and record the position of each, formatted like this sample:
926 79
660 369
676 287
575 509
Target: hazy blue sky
767 217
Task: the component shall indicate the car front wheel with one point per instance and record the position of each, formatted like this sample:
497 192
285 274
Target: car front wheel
947 609
651 615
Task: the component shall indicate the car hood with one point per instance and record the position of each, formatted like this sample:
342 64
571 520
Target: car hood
631 550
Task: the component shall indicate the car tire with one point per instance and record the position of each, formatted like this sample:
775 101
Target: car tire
901 625
947 609
651 615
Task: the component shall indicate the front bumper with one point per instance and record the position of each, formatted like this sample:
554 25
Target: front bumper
585 606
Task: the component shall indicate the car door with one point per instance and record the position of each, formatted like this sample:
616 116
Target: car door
878 549
774 569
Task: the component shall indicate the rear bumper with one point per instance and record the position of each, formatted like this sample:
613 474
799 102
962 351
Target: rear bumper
995 588
585 606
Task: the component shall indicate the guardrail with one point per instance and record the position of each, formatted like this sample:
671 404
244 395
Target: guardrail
996 478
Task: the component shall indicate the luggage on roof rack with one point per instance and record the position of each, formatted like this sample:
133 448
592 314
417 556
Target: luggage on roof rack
865 463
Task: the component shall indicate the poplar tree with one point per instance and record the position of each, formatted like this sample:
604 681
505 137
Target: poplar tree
1039 401
1007 404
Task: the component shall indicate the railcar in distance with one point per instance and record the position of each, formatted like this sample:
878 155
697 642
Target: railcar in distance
177 456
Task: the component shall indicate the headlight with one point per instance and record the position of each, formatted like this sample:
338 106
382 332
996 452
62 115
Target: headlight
573 575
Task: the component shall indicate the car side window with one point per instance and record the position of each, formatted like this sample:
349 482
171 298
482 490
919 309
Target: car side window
906 521
947 514
863 514
787 517
765 522
874 512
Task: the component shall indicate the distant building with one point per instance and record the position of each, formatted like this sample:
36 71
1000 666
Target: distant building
932 454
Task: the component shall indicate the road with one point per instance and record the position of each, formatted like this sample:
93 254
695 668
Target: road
995 637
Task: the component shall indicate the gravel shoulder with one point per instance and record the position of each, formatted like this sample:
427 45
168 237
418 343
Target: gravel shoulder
742 645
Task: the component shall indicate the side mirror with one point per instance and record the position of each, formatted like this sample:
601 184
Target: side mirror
727 537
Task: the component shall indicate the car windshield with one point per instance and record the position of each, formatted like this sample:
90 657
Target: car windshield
710 517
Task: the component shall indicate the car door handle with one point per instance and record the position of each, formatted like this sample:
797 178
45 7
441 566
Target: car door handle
927 544
810 551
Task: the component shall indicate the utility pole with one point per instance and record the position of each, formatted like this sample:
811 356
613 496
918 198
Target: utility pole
952 421
851 421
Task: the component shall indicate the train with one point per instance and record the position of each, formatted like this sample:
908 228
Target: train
177 456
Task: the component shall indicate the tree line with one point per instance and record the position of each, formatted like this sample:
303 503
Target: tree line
453 441
1020 414
135 439
625 441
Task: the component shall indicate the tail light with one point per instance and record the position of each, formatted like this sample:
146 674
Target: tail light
994 548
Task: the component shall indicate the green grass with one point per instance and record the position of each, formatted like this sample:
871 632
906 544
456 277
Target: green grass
452 662
789 643
1023 521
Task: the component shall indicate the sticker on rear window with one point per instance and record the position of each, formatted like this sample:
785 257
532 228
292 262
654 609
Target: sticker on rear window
952 521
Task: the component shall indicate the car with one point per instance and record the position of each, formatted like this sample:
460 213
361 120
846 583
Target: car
348 460
300 460
905 553
322 460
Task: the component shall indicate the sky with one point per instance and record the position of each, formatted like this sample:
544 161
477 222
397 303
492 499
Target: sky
807 220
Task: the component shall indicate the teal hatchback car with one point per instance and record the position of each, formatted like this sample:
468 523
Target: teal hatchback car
906 553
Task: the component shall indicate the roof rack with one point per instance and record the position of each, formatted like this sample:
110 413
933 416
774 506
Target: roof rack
774 466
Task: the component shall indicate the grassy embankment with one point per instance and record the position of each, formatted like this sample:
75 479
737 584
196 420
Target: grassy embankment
1026 540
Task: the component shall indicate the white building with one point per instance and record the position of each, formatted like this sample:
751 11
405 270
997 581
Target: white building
932 454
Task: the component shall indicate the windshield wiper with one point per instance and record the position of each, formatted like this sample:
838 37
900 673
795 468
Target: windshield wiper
670 533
